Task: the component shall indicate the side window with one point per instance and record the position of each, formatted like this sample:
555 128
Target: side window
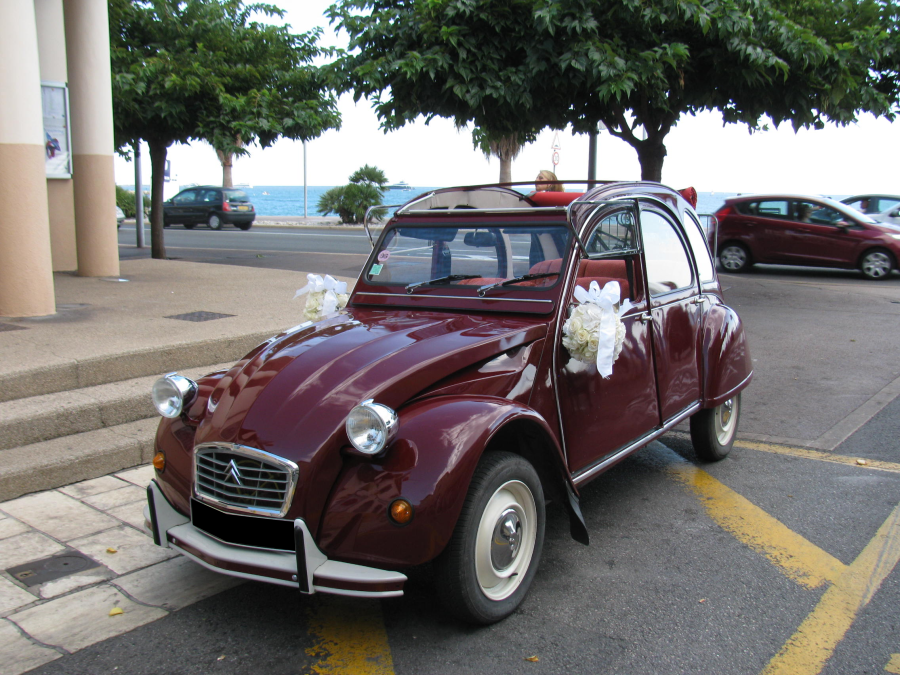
185 197
210 196
615 233
668 266
773 209
810 212
699 246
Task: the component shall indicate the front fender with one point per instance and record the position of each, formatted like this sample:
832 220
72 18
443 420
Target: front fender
429 464
727 366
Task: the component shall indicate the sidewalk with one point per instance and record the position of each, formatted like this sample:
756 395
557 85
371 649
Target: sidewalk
73 555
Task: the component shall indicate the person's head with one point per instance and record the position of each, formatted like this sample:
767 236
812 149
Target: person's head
541 184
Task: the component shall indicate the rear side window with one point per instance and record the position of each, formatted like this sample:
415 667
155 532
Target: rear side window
668 265
236 196
765 208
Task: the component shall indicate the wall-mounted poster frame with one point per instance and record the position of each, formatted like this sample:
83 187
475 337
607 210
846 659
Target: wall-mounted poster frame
57 139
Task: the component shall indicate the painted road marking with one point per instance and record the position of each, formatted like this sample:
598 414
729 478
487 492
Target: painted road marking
819 456
799 559
806 652
893 665
350 637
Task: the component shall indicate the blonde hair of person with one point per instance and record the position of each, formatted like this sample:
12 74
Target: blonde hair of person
541 186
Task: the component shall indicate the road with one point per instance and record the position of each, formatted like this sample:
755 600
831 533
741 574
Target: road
781 559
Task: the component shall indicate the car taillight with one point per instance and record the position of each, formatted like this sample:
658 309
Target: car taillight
724 211
226 206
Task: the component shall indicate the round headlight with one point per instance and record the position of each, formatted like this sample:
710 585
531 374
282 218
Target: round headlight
371 426
171 393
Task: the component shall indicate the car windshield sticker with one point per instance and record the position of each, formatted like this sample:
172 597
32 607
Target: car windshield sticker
376 268
383 256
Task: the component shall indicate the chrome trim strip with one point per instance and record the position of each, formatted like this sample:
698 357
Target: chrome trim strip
289 468
366 219
628 449
738 387
451 297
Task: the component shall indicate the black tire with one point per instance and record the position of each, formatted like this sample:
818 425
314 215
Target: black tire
734 257
713 430
190 226
877 264
485 572
244 226
214 222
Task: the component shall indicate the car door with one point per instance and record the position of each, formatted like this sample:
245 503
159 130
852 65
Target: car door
182 205
676 308
761 225
821 235
601 415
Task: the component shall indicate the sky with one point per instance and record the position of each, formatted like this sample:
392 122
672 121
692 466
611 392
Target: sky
702 152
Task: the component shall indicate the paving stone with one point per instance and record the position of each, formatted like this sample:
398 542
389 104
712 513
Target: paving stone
141 476
51 589
134 549
26 547
9 527
110 500
18 654
133 514
12 597
95 486
59 515
175 583
81 619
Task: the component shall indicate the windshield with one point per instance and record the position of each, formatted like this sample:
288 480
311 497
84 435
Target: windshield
421 257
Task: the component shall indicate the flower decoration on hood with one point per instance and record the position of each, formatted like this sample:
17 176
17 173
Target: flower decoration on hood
324 296
594 333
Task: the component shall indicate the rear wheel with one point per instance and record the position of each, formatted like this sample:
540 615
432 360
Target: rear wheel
713 430
215 223
490 562
734 258
876 264
244 226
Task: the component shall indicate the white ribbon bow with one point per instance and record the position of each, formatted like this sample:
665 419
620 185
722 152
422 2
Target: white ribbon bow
606 299
331 286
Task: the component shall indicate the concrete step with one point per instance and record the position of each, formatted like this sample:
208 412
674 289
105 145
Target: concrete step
81 373
27 421
61 461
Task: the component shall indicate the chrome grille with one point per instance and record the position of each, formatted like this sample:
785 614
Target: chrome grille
244 479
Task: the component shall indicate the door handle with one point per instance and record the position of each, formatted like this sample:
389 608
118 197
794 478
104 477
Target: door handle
644 317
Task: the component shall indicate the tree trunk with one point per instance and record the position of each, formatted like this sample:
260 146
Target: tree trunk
227 161
158 150
651 156
505 170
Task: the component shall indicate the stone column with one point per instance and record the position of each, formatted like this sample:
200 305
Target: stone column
26 276
90 101
61 198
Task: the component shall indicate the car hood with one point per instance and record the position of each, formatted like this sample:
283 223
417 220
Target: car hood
291 395
885 225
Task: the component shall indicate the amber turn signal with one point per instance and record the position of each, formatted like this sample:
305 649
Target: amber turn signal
159 461
401 511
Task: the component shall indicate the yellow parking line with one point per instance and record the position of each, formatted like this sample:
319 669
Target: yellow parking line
820 456
350 637
806 652
893 665
799 559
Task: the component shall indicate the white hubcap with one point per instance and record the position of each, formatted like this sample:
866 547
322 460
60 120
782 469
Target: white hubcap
726 421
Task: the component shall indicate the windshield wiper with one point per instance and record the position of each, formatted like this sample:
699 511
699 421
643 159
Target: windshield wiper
442 280
525 277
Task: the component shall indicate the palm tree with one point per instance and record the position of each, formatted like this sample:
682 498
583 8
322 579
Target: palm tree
504 146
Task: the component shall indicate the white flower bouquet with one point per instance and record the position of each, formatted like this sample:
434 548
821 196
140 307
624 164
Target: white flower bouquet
594 333
324 296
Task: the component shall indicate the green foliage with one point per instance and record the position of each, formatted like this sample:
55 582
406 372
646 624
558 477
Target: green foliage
519 66
350 202
125 201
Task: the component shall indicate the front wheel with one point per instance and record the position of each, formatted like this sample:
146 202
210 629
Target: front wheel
485 572
734 258
713 430
215 223
876 265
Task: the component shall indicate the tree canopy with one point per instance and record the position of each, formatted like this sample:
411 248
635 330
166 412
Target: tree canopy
518 66
350 202
204 69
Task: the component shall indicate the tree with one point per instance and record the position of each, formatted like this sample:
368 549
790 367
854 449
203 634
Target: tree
201 69
351 201
505 147
515 66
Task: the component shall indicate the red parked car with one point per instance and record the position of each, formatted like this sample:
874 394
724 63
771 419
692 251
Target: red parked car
498 352
804 230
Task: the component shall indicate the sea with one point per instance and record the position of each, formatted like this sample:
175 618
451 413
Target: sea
287 200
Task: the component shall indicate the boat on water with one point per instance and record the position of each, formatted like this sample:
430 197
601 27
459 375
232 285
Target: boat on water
402 185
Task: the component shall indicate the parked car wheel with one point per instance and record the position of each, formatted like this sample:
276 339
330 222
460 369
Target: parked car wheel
489 564
713 430
734 258
876 264
245 226
215 223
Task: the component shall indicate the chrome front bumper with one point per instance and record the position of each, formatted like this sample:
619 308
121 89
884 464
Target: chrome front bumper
306 568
